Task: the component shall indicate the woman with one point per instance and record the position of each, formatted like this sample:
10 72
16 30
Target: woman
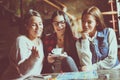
63 39
97 47
26 54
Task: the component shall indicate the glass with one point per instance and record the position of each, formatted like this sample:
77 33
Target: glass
56 23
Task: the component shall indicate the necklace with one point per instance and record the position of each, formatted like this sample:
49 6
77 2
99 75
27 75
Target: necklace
60 42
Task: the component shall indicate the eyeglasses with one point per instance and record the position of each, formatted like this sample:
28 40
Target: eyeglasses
56 23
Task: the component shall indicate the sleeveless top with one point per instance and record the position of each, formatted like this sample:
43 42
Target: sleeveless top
99 46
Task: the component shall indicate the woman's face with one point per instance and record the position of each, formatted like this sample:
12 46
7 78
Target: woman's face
59 24
89 24
34 27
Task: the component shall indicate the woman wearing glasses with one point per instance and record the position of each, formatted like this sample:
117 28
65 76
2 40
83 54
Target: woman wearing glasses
59 47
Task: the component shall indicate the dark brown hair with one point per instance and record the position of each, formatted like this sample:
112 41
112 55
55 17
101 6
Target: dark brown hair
69 39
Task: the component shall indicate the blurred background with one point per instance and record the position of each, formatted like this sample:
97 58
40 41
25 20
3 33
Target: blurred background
11 12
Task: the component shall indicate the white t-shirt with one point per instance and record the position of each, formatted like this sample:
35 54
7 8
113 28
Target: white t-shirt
25 44
20 58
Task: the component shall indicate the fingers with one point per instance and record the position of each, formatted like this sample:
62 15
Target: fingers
84 35
52 55
87 68
51 58
49 54
65 53
35 52
84 68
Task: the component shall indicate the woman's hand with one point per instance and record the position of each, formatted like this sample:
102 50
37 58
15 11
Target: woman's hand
51 58
86 68
84 35
63 55
35 53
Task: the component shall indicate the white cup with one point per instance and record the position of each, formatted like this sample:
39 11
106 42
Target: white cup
57 51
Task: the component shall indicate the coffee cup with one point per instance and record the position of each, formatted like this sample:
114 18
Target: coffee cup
57 51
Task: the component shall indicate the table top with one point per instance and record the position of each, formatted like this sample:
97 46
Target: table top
90 75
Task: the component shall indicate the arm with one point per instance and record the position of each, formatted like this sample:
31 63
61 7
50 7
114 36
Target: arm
110 60
51 58
84 52
25 65
22 56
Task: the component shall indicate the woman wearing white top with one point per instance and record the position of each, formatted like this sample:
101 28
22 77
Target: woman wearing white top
26 56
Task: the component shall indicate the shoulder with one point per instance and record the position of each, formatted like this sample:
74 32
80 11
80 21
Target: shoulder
21 38
110 30
111 33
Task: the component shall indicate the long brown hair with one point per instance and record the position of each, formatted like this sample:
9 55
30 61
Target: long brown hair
96 13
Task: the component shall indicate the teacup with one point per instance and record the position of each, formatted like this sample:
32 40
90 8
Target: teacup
57 51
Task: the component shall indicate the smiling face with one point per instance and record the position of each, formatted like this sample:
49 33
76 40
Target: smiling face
59 24
34 27
89 24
